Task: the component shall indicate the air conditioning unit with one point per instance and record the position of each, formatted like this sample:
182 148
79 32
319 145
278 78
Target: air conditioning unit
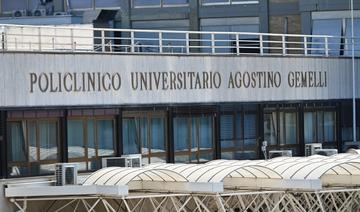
280 153
39 12
19 13
66 174
123 161
310 148
326 152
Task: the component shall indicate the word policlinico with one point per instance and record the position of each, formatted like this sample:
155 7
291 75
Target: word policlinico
75 82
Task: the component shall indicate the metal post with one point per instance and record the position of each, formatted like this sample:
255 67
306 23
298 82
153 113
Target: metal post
160 42
237 44
187 40
212 43
102 40
132 38
353 69
305 46
72 38
326 46
39 39
261 45
283 44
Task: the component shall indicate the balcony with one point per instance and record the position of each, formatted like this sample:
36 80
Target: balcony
131 41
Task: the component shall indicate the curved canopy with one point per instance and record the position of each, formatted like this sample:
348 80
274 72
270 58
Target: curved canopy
354 151
122 176
280 173
217 173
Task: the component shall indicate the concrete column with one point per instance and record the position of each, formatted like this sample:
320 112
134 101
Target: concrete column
194 22
217 133
306 23
264 20
63 138
260 130
119 134
3 147
264 16
1 9
123 18
170 136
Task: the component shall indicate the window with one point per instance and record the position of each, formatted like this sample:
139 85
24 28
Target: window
320 127
145 133
175 2
225 43
33 147
335 23
11 5
281 129
193 139
228 2
89 139
107 4
80 4
238 135
171 42
348 46
159 3
327 27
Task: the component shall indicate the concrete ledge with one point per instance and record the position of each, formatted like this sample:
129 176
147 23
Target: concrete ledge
66 191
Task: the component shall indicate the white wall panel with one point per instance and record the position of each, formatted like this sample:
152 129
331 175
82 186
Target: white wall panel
16 69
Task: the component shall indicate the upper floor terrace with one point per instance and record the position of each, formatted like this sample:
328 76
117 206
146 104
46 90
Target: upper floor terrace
85 38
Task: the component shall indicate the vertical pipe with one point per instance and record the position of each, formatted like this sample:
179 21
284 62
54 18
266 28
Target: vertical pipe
353 70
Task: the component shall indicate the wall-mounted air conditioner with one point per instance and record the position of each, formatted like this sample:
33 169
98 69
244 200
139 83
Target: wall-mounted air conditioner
19 13
123 161
66 174
280 153
310 148
326 152
39 12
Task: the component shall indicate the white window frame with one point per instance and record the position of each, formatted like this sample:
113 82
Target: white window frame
230 2
161 5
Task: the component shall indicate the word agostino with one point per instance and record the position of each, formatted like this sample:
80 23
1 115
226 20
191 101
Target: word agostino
74 82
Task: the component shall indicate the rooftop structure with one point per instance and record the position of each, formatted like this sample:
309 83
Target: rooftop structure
303 183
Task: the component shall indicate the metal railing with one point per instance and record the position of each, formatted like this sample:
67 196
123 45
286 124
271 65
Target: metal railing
123 41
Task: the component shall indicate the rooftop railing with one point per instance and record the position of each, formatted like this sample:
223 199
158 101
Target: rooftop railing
124 41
